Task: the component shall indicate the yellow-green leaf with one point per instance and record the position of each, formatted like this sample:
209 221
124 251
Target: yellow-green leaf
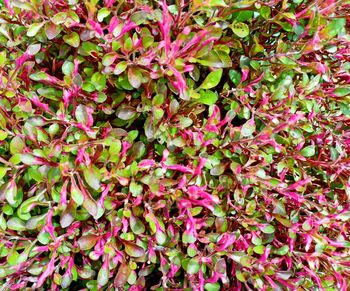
207 97
92 177
212 79
34 29
240 29
72 39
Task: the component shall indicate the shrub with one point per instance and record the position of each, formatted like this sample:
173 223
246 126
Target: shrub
174 145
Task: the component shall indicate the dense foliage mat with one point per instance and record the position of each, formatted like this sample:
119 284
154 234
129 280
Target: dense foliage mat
174 145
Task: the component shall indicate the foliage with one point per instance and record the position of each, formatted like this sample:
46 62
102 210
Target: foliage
174 145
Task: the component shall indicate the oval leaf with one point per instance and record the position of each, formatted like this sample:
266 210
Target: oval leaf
92 177
240 29
133 250
34 29
135 77
72 39
207 97
87 242
212 79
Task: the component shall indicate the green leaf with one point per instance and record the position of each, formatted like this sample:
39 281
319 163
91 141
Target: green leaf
185 121
120 68
17 224
287 61
286 222
99 81
34 29
308 151
235 77
147 41
240 276
191 252
3 251
188 238
149 128
136 225
218 212
268 229
250 208
237 256
3 135
193 266
135 189
114 150
213 3
135 77
87 242
265 12
259 249
3 224
248 128
11 193
215 59
256 241
44 238
7 209
240 29
128 44
336 26
67 68
345 108
3 58
341 92
103 13
90 205
76 194
285 25
3 172
133 250
38 76
92 177
122 275
161 237
245 261
82 114
207 97
53 129
217 170
103 276
212 286
212 79
243 15
52 30
140 17
88 87
255 49
282 250
72 39
17 145
126 112
87 48
13 258
306 226
59 18
109 59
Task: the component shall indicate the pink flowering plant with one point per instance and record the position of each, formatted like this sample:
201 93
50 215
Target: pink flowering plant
174 145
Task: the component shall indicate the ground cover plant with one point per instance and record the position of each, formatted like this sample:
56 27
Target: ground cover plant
174 145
